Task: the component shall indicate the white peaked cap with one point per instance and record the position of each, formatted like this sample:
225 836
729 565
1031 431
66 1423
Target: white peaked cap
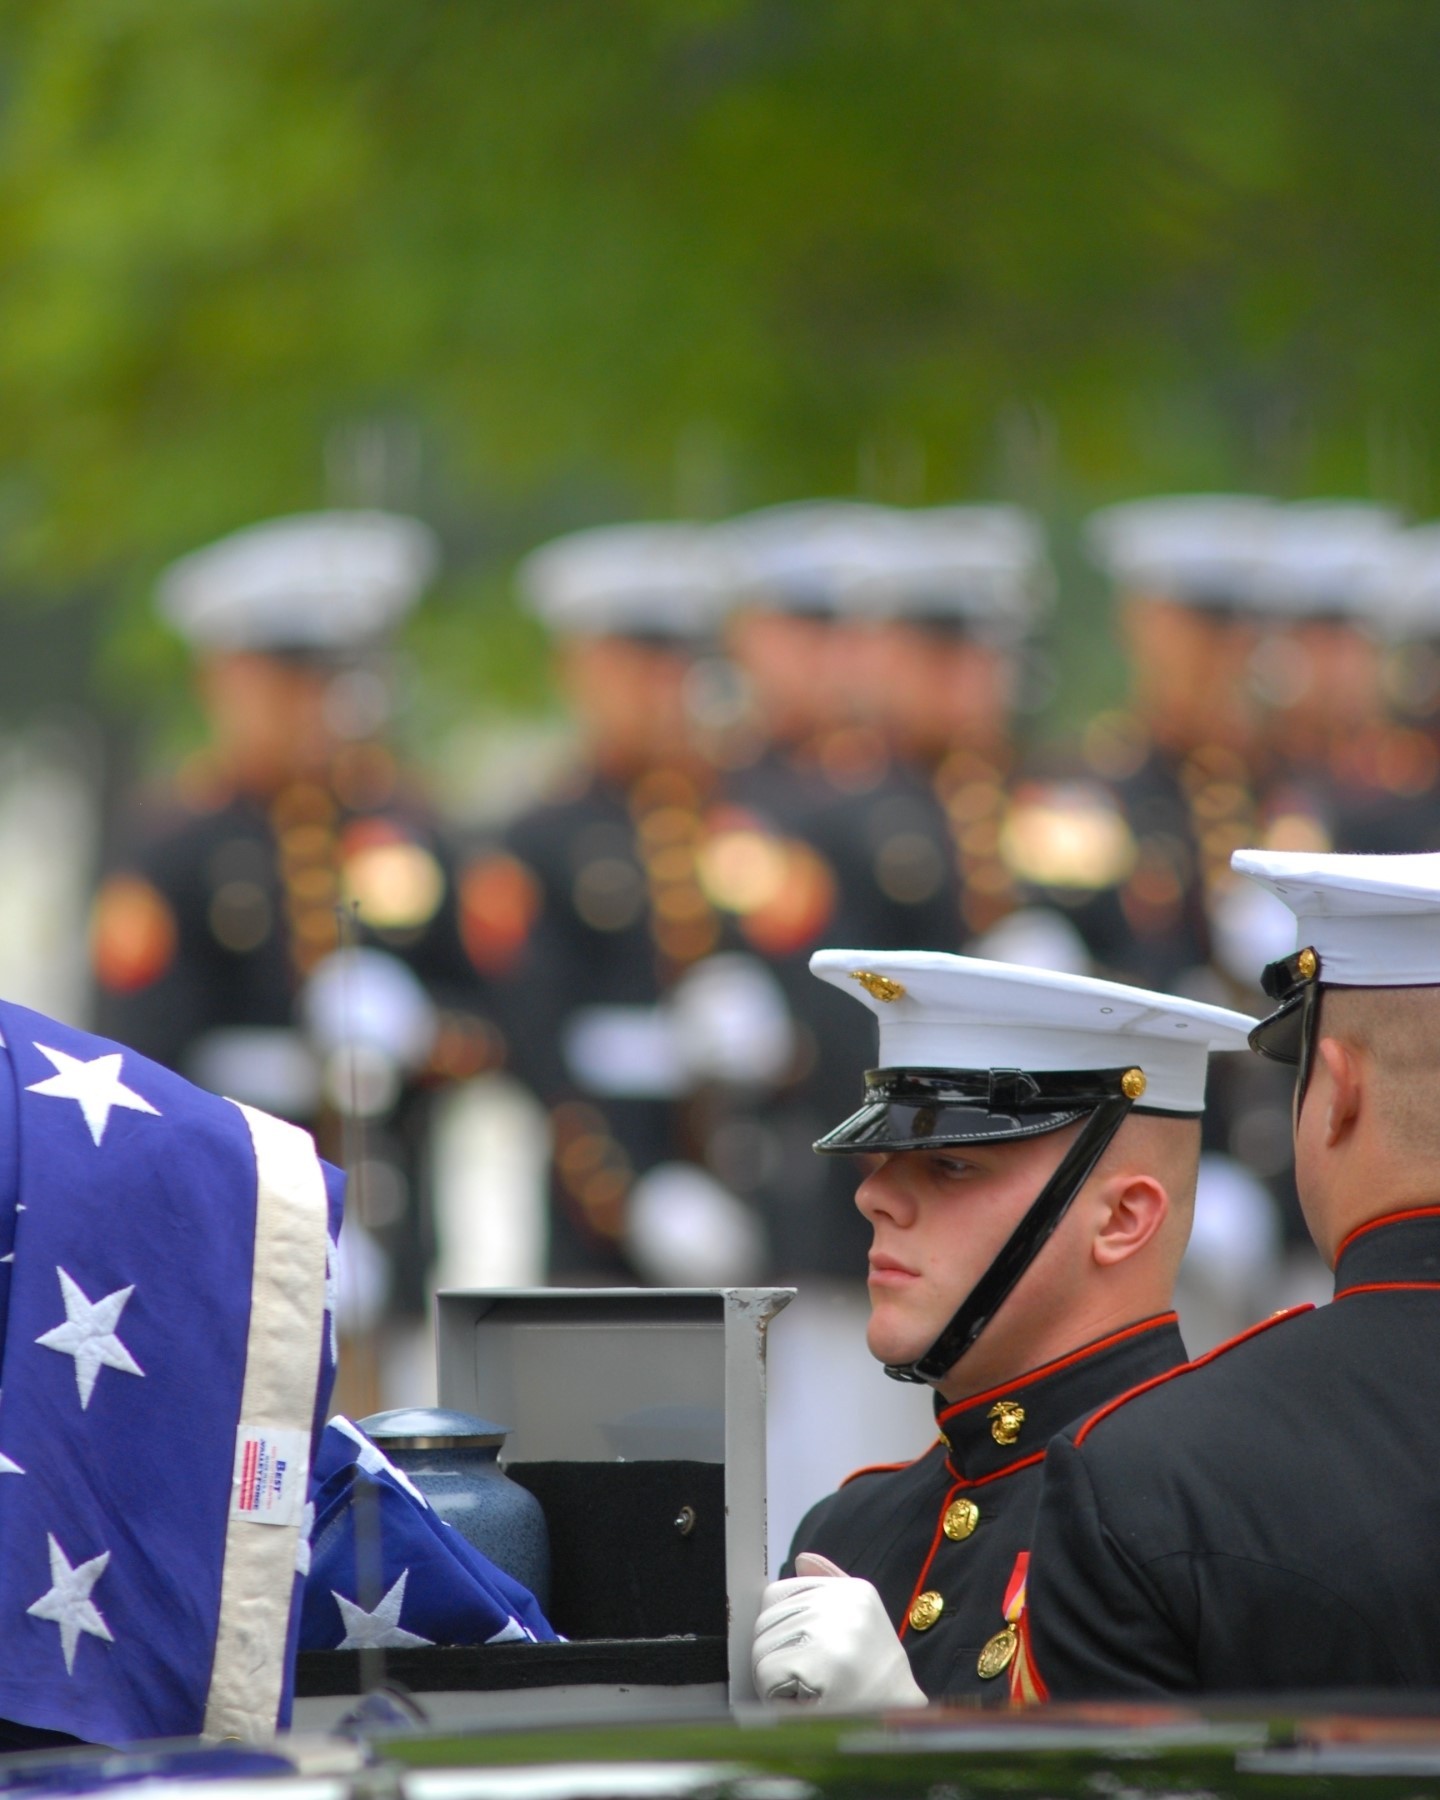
976 563
314 581
957 1012
1412 598
1372 921
1200 549
666 579
810 555
1327 558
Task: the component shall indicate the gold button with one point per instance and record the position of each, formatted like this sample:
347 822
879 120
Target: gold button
1006 1417
998 1654
961 1518
926 1610
1306 963
1133 1084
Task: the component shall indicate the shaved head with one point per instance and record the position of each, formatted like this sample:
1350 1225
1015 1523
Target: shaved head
1398 1031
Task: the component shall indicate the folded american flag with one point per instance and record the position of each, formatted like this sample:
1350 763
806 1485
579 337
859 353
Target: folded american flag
166 1263
388 1573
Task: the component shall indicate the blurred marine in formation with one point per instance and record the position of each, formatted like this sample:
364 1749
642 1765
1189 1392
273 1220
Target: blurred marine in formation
1342 772
880 647
605 922
1131 843
281 924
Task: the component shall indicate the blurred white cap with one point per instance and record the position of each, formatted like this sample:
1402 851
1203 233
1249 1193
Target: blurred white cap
327 581
1330 559
1203 550
810 556
657 580
1035 937
1412 601
975 565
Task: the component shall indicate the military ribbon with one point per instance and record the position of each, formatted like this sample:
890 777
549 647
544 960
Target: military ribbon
1026 1686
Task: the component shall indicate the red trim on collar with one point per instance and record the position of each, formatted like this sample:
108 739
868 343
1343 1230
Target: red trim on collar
1155 1381
1388 1287
1395 1218
1083 1354
887 1468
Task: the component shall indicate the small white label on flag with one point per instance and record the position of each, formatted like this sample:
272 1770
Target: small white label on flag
272 1468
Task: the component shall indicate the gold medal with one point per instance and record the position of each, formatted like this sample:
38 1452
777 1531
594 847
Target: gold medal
998 1654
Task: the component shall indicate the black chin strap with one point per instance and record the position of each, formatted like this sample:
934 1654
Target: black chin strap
1020 1249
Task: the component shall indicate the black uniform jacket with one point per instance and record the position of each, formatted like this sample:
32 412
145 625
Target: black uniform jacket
950 1526
1268 1518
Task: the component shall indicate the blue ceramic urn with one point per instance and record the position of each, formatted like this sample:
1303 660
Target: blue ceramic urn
454 1460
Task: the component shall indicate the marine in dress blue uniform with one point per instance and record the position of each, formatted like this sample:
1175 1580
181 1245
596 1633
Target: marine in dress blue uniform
939 1537
605 925
1264 1519
1341 773
1132 839
219 942
980 1064
880 643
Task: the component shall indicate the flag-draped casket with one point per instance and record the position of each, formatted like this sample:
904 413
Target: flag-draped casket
166 1264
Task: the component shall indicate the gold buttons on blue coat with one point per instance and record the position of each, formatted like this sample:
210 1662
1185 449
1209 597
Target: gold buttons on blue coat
926 1610
959 1520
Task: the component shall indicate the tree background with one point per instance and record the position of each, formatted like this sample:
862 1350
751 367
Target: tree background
522 265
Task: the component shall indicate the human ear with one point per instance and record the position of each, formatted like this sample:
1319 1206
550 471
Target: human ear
1342 1099
1136 1206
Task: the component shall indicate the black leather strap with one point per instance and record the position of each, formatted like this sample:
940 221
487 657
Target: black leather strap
1022 1246
1288 1034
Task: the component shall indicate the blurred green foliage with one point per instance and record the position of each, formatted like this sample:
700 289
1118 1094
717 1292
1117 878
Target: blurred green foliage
525 264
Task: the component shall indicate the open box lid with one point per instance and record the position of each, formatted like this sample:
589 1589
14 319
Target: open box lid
608 1375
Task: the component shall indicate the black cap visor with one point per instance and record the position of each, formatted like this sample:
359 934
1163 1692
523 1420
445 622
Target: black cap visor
925 1109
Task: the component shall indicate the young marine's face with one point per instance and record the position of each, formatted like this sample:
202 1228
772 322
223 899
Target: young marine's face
939 1218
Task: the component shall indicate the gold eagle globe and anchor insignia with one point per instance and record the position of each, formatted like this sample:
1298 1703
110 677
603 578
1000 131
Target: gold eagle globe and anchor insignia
1006 1417
879 987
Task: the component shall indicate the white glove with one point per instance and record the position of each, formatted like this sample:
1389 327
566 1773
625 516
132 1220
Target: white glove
684 1229
823 1637
732 1022
372 1023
